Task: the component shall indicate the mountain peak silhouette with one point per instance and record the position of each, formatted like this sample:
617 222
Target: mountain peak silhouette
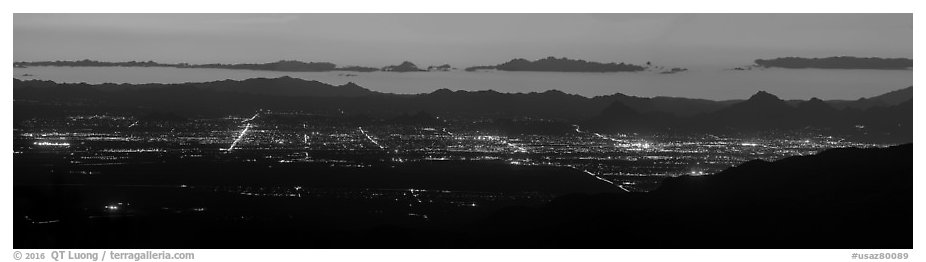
815 104
554 92
764 97
405 66
762 103
351 85
442 91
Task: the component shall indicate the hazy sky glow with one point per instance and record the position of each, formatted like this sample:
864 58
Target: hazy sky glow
458 39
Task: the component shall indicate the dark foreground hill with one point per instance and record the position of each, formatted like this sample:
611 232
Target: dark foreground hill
846 198
842 198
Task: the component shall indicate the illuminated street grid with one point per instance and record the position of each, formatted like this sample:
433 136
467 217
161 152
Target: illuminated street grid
632 162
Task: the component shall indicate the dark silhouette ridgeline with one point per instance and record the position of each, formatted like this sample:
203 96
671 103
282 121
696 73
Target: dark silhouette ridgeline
553 64
282 65
405 66
837 62
828 200
884 117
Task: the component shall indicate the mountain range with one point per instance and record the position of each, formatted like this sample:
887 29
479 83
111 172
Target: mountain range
282 65
837 62
889 120
553 64
888 115
548 64
405 66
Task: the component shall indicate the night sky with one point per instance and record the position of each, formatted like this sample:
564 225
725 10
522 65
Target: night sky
458 39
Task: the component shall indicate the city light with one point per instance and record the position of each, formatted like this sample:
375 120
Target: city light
240 136
46 143
629 161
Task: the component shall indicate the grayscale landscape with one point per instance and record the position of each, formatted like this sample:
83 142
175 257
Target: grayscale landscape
609 131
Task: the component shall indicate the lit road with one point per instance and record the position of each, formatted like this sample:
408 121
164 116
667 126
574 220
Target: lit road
370 138
250 119
605 180
244 132
240 137
519 149
578 130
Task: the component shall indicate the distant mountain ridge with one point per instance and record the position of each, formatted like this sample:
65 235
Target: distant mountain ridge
282 65
887 99
837 62
405 66
282 86
547 64
763 112
553 64
286 86
613 113
293 93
